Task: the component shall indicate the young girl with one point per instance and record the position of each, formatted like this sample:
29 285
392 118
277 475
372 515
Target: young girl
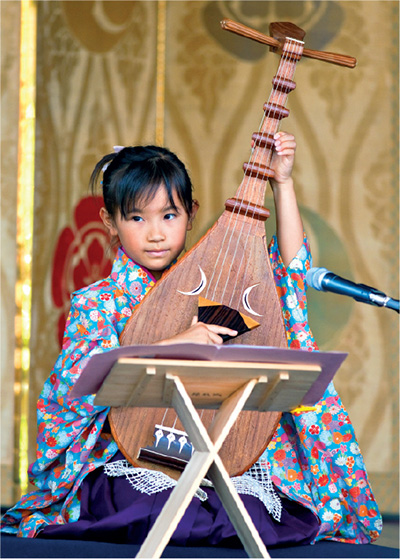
319 485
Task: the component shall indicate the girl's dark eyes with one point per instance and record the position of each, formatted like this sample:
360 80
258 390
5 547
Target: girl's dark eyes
167 217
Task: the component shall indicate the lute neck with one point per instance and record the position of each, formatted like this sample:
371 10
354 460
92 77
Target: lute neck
250 195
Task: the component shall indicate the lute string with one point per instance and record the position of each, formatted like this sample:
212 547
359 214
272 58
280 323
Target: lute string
250 181
234 216
267 157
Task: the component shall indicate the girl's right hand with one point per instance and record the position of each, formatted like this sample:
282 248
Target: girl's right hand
283 158
200 333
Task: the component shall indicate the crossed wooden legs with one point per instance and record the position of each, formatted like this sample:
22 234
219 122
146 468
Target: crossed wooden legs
205 459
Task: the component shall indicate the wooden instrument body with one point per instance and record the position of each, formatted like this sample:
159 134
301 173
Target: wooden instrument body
233 259
165 312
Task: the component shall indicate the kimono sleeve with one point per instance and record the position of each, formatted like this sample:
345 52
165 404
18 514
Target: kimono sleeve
291 288
70 442
69 429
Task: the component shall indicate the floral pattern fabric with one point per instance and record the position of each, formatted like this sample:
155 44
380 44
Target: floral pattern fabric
313 457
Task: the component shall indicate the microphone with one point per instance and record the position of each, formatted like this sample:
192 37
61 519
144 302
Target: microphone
323 280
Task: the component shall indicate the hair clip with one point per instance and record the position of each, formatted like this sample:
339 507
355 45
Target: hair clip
117 149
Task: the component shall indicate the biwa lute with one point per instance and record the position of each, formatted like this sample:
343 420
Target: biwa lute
225 278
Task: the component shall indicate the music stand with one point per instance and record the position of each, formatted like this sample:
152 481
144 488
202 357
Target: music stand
187 385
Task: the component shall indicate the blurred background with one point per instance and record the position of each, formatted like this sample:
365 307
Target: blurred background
79 77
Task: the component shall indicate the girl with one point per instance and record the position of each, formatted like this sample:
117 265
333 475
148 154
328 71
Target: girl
319 486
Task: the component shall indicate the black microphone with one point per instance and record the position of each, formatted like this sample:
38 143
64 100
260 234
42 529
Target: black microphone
323 280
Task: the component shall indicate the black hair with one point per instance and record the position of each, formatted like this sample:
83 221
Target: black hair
136 173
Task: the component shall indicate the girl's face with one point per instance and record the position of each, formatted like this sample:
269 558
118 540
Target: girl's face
154 233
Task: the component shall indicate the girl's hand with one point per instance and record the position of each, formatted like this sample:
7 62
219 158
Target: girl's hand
289 226
200 333
283 158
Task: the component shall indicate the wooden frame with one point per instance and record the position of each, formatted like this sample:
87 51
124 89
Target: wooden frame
187 385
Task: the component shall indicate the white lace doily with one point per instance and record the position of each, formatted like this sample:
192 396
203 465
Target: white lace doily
255 482
143 480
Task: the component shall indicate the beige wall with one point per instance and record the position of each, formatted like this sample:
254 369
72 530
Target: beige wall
97 85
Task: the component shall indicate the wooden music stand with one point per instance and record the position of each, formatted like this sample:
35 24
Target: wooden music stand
228 387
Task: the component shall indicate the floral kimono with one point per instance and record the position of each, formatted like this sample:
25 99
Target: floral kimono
313 458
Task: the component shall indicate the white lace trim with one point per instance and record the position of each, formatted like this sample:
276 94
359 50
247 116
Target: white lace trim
143 480
255 482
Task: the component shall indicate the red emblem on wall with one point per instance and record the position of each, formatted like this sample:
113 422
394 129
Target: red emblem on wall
82 256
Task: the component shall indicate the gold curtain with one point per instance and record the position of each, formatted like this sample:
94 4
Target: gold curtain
99 66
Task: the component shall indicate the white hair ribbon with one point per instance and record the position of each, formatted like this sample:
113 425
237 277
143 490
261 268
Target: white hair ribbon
117 149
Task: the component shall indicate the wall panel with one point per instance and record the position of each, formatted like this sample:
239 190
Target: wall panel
10 47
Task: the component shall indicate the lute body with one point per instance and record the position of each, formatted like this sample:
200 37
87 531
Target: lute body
230 266
165 312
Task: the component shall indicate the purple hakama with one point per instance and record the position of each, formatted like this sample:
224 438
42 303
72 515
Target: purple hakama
112 511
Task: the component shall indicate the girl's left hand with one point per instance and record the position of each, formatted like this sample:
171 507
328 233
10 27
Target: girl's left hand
283 158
